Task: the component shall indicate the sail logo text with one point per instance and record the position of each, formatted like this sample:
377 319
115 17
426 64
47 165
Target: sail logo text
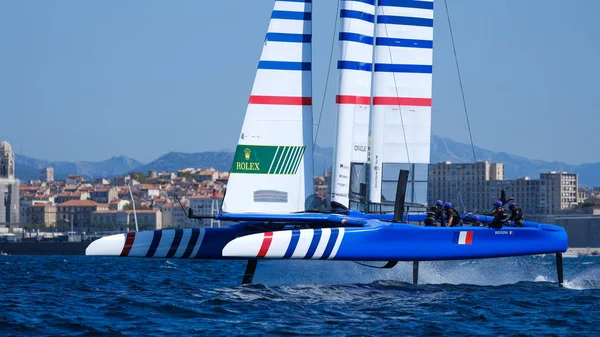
247 166
503 232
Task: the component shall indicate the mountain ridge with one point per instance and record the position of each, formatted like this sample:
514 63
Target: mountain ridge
442 149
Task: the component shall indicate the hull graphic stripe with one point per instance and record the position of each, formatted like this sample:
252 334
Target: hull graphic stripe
200 239
128 244
330 243
293 244
313 245
154 245
192 243
325 235
338 242
264 248
469 238
175 244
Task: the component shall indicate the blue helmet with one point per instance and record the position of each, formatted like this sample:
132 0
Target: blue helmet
439 203
448 205
498 203
512 205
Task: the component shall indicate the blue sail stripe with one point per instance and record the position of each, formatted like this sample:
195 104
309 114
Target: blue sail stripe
175 243
368 2
403 68
288 37
350 14
389 41
331 243
154 245
354 37
192 243
314 243
353 65
305 1
406 4
404 20
290 15
284 65
293 244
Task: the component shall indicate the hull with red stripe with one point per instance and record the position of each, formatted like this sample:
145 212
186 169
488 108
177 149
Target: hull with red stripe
376 241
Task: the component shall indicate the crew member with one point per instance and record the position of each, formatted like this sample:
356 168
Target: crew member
452 215
516 215
500 216
438 212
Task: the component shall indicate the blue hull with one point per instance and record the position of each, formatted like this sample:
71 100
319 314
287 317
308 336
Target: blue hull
374 241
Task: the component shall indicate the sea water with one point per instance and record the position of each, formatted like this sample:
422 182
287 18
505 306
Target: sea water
97 296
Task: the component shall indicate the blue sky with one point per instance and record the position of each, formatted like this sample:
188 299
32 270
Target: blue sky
87 80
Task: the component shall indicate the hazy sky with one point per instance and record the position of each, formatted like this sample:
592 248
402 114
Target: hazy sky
87 80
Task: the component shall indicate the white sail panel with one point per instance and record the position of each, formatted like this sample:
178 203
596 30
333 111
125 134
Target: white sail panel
354 93
402 81
272 167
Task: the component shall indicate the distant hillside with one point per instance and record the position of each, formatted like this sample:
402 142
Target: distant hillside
173 161
28 168
442 149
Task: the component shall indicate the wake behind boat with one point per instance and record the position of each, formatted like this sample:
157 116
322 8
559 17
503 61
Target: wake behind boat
386 66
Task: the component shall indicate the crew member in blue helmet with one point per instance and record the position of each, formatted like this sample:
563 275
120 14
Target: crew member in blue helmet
516 215
438 212
452 215
500 216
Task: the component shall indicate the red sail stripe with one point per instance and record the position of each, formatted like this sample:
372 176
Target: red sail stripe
469 238
346 99
128 244
264 248
402 101
280 100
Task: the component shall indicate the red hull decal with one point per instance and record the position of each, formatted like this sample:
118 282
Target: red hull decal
280 100
128 244
345 99
404 101
469 238
264 248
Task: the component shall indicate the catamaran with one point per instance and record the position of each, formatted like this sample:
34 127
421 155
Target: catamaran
382 150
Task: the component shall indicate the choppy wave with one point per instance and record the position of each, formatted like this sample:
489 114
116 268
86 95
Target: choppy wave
114 296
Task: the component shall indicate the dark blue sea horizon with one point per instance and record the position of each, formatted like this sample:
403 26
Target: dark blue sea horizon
98 296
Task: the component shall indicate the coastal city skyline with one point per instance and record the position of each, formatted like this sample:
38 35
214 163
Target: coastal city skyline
152 90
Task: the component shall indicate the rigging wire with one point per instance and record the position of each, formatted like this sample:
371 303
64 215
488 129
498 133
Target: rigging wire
337 10
397 94
462 92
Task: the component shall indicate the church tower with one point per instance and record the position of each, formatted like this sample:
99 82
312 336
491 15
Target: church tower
7 161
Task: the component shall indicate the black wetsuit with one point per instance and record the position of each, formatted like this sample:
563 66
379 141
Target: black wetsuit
500 218
438 213
516 215
456 220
